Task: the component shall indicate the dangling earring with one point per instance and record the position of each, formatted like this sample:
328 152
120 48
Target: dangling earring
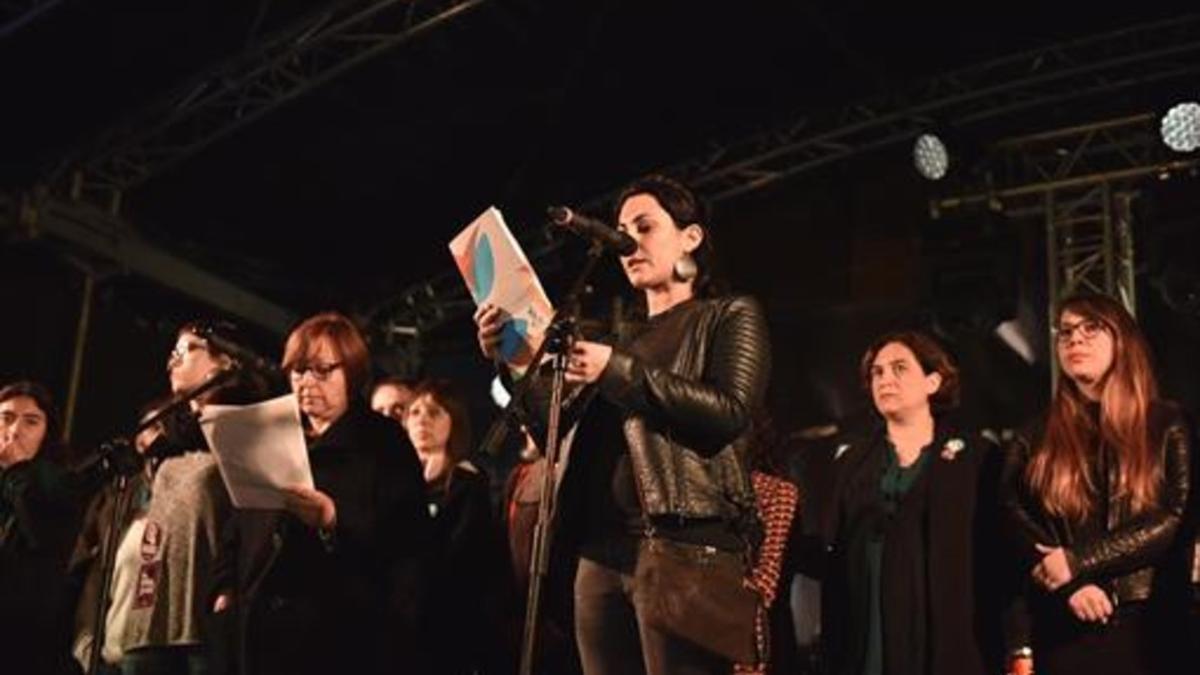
684 268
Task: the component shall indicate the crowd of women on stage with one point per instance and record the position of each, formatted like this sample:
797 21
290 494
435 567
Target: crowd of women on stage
1071 548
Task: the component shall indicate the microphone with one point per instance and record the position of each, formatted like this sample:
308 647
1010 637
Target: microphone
117 457
608 237
244 356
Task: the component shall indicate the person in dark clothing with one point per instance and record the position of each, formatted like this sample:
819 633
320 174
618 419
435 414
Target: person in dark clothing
556 652
905 529
471 583
777 558
1096 496
661 415
332 582
40 509
122 504
165 629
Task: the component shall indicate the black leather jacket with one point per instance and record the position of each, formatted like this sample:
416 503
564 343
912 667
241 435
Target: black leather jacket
1134 549
685 424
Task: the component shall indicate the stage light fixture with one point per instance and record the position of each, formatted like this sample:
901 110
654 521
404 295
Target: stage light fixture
1181 127
930 157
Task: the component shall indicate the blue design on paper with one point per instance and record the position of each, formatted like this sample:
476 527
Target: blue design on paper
484 269
513 337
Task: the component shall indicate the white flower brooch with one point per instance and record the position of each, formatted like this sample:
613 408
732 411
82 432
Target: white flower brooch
952 447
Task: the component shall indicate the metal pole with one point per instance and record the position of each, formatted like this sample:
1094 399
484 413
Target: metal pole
81 331
1127 291
1110 277
1052 282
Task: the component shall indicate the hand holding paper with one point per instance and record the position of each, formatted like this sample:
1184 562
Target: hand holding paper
313 507
498 275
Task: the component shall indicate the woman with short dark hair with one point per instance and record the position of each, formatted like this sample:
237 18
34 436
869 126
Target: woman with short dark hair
655 477
901 591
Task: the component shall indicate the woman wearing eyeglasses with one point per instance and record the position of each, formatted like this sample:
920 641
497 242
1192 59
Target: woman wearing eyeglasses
1096 495
165 629
327 585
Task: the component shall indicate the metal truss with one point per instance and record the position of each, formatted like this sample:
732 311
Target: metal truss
1107 63
16 14
1019 171
222 101
1082 181
1089 246
84 227
1089 243
81 204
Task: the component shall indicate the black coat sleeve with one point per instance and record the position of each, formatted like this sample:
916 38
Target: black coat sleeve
1144 539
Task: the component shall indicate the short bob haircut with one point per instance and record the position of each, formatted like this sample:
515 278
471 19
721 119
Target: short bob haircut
345 339
930 356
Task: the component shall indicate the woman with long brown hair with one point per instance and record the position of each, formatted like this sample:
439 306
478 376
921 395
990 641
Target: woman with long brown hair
1096 495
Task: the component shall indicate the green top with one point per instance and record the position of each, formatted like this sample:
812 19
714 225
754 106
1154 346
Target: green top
894 484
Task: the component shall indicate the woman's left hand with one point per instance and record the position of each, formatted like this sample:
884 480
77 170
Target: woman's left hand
313 507
1091 604
1053 572
586 361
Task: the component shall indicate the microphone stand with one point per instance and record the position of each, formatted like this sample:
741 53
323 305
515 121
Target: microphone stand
559 339
105 459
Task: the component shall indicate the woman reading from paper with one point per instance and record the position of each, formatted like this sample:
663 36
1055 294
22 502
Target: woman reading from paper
654 469
323 585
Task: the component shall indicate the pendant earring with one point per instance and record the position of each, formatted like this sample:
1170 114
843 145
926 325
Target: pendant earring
684 268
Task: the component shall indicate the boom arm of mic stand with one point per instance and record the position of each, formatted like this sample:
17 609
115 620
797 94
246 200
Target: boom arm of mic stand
185 398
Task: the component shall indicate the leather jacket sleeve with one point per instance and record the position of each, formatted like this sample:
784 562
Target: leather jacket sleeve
718 406
1144 538
1024 529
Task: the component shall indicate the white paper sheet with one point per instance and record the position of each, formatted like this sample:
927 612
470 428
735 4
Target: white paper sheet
260 449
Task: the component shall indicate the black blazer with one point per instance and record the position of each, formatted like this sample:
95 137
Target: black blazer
947 520
304 602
